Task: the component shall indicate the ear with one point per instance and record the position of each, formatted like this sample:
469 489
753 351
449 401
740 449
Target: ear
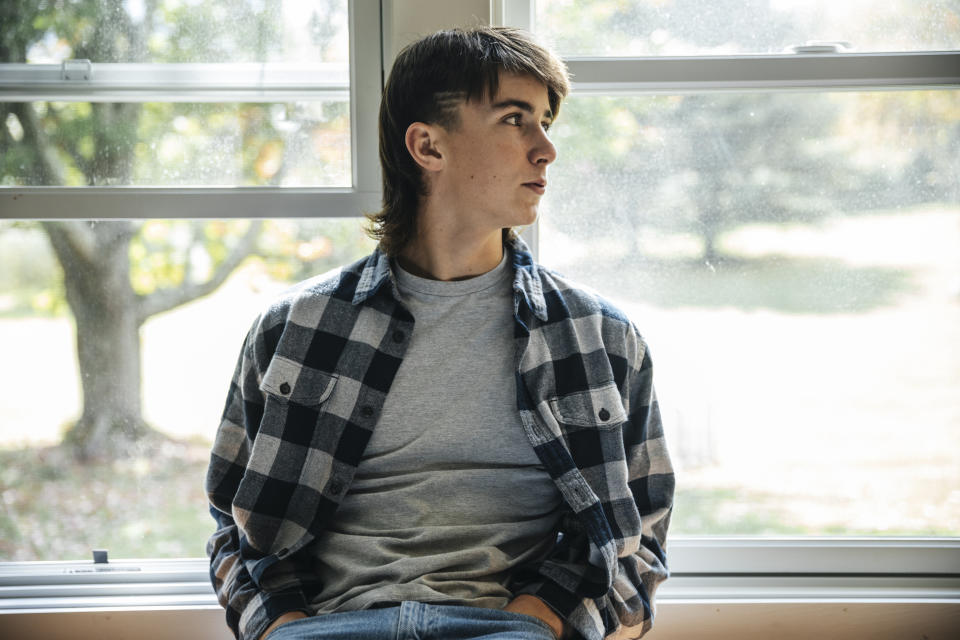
421 140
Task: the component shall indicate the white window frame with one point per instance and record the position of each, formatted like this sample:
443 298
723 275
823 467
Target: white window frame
214 82
706 570
785 569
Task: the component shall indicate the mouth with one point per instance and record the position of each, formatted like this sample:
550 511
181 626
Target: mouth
537 186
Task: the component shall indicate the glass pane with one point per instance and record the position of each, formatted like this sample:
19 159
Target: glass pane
794 261
156 358
178 31
724 27
176 144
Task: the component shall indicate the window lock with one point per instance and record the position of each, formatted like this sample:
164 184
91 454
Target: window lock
76 70
819 46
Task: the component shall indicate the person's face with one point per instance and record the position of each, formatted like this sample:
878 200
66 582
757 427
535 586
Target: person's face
496 159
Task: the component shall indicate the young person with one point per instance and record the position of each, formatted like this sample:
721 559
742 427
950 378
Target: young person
445 439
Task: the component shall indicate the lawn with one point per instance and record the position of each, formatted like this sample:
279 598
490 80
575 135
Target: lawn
809 383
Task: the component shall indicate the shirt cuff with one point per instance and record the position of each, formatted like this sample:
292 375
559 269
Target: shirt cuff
267 607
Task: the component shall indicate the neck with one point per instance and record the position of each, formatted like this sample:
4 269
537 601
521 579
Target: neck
444 250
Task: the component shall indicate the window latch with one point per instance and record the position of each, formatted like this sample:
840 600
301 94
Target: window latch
76 70
819 46
100 556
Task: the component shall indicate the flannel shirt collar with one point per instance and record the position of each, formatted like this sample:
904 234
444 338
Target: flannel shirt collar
526 283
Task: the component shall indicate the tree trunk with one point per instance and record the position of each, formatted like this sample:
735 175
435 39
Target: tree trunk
710 254
96 269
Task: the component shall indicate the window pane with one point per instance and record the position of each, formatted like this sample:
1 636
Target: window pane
176 144
155 378
180 31
794 261
724 27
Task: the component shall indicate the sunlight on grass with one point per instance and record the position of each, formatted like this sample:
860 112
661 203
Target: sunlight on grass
788 373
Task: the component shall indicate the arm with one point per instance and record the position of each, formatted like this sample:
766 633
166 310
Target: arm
250 608
569 581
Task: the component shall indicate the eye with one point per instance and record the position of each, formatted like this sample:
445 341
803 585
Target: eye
546 125
515 119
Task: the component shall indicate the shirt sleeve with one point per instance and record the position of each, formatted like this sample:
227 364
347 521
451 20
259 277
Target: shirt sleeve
568 581
250 604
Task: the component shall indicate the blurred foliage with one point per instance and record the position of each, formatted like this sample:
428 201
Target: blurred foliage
166 254
173 143
169 143
698 27
706 163
637 28
30 279
703 164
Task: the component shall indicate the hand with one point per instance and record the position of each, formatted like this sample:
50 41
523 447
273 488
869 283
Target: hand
534 606
290 616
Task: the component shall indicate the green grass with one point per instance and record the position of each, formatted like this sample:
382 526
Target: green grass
723 512
153 506
785 284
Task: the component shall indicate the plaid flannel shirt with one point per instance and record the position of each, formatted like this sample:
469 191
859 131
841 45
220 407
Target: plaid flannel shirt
311 381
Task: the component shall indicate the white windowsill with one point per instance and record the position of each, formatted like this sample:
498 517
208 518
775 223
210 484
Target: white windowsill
844 588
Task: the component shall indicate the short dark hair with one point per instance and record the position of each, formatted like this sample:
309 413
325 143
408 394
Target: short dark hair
429 80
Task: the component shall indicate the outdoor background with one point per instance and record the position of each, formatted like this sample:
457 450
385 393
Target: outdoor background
792 258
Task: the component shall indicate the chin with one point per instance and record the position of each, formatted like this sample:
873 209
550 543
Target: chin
527 218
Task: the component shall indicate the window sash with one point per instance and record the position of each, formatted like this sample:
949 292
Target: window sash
617 76
257 83
116 82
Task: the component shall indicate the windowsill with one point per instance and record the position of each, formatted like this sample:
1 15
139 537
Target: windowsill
737 586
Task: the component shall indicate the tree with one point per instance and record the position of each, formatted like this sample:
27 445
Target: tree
702 164
96 144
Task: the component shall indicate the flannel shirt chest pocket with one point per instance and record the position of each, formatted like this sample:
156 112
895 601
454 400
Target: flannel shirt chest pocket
590 423
294 395
600 407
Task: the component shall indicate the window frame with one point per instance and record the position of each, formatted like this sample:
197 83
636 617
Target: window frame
701 562
249 82
705 569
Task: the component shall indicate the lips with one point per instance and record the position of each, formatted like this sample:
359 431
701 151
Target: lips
538 186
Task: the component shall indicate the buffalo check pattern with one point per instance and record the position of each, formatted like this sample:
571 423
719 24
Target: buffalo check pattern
310 383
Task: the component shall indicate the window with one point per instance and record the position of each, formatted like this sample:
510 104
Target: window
158 106
786 238
872 259
733 27
141 147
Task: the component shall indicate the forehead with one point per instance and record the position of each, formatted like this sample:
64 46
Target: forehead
520 83
513 88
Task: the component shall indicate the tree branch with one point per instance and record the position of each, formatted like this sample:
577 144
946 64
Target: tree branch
167 299
73 242
52 171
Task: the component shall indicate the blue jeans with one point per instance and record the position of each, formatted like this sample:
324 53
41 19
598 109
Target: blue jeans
417 621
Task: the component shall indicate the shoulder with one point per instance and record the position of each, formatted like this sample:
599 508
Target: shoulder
567 298
590 315
305 300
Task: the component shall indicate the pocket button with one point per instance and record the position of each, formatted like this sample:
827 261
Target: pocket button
604 415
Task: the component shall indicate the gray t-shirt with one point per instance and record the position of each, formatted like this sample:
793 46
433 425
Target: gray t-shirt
449 497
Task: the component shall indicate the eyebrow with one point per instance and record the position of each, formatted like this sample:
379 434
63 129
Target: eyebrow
520 104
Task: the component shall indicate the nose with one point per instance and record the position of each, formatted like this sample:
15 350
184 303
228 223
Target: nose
543 152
